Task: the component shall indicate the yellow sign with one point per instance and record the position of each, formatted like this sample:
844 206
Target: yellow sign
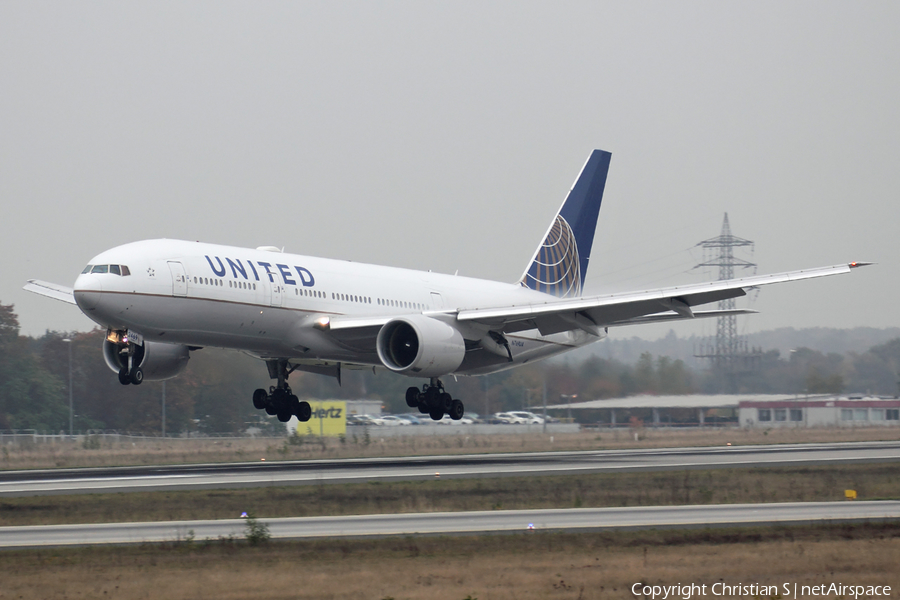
850 494
328 419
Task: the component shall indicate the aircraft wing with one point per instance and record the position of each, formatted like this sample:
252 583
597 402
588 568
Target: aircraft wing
51 290
594 313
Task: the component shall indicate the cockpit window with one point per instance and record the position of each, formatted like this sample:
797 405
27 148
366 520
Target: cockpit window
114 269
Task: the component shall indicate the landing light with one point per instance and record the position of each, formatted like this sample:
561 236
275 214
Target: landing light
322 323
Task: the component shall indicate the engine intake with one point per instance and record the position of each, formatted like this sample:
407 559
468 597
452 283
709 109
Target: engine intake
158 361
420 346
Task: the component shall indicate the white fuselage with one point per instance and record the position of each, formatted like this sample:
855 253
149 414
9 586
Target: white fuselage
268 303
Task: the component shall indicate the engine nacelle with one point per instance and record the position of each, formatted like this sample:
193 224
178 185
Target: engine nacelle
158 361
420 346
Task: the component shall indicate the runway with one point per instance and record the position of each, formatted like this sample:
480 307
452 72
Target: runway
241 475
484 522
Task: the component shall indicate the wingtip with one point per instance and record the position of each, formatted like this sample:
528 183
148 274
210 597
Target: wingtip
855 264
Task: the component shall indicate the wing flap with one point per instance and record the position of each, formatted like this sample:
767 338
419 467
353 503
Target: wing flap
673 316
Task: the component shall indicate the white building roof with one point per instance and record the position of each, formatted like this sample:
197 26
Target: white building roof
683 401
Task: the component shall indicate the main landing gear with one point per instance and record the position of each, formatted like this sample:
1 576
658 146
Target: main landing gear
279 400
434 401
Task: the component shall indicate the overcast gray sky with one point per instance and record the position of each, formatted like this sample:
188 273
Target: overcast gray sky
444 136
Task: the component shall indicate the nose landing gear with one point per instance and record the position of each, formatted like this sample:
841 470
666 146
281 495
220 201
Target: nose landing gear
129 355
434 401
280 400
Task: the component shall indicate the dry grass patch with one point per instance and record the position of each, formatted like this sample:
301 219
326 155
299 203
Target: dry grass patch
520 567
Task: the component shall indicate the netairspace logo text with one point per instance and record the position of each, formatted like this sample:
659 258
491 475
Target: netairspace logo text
784 590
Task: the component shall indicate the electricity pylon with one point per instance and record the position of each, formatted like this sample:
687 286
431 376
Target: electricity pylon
729 352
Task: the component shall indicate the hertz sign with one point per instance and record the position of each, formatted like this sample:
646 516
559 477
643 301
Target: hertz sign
328 419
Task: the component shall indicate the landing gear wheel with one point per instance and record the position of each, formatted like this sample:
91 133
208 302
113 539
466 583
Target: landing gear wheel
436 414
433 397
457 410
278 403
412 397
304 412
137 376
124 379
260 399
445 400
423 408
284 415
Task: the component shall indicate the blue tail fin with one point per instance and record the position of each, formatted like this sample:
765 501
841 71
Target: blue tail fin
560 263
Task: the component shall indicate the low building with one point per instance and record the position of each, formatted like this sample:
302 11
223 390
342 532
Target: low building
820 411
745 410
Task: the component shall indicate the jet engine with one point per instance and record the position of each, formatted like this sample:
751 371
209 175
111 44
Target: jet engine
420 346
158 361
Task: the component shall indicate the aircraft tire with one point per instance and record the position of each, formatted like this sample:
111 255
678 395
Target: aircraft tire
124 379
436 414
445 400
284 415
137 376
457 410
423 408
432 397
270 409
304 411
412 397
260 399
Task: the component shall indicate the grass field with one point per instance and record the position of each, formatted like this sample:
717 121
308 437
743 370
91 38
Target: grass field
149 451
503 567
720 486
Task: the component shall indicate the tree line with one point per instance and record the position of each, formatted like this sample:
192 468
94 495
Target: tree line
213 395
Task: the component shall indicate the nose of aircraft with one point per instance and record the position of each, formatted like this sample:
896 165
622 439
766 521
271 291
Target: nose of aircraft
87 293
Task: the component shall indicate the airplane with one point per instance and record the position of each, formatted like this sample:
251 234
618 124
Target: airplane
159 300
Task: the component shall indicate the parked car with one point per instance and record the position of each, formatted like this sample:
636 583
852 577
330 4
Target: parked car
360 420
412 418
446 420
390 421
509 418
529 417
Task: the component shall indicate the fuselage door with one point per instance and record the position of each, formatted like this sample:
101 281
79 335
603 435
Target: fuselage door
179 280
436 300
277 294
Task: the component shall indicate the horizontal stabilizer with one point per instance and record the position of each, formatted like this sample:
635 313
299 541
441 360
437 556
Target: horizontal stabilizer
51 290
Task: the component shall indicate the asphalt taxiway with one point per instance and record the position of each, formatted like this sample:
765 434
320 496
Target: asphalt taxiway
456 523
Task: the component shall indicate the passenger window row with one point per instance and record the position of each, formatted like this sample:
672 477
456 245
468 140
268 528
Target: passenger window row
351 298
306 292
401 304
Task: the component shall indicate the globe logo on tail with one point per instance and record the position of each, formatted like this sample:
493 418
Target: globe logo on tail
556 268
